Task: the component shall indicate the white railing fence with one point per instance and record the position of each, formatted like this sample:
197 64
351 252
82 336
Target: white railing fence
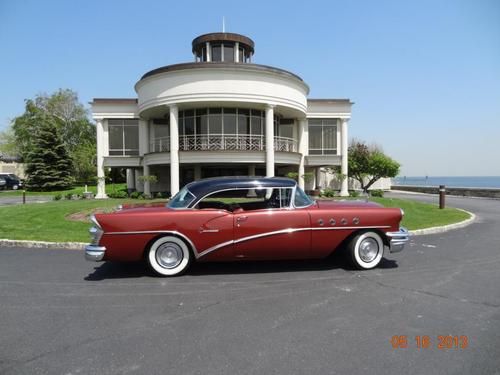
216 142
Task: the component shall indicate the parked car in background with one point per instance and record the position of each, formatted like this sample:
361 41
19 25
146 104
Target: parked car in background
11 181
2 182
245 218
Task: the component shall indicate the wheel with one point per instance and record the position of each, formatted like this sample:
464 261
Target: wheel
169 256
15 187
366 250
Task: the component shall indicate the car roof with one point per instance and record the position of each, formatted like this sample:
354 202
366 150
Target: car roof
206 186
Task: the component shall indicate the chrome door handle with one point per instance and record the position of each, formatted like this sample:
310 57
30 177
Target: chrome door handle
239 219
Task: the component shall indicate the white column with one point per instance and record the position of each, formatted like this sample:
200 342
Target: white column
303 150
174 149
143 137
251 170
197 172
236 52
269 141
101 183
209 52
344 191
147 184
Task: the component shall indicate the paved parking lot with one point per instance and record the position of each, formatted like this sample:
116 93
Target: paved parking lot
62 315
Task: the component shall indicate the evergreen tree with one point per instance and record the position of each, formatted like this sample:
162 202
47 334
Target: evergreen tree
48 164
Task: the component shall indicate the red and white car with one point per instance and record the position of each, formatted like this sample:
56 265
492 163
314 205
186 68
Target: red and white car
245 218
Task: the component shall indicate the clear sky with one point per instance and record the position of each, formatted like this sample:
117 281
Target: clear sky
424 75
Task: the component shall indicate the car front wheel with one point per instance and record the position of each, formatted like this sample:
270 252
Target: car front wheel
366 250
169 256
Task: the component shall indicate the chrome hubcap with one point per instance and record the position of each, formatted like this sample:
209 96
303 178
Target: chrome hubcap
368 249
169 255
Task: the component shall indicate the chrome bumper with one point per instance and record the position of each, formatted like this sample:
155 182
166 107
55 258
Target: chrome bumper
94 253
398 240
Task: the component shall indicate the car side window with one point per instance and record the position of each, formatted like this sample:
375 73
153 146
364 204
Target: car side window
247 199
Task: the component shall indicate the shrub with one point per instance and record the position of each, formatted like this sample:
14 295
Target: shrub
329 193
118 194
135 194
377 193
354 193
69 196
57 197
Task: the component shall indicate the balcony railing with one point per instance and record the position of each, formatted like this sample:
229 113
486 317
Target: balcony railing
216 142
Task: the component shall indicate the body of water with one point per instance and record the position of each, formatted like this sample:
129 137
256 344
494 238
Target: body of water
461 181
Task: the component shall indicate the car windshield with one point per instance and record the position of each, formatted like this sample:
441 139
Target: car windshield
14 177
301 199
182 199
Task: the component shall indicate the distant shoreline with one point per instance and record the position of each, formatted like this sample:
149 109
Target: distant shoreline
466 182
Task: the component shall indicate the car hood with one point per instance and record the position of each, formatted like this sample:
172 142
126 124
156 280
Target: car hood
346 204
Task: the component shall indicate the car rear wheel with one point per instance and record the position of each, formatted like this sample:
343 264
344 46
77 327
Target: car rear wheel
15 187
366 250
169 256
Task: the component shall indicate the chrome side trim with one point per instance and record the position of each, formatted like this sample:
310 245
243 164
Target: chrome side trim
243 239
398 239
174 232
276 232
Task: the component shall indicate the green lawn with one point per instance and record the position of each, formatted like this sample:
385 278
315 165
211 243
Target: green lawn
76 190
421 215
48 222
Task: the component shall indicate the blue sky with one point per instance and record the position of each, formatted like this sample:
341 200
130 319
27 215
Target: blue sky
424 75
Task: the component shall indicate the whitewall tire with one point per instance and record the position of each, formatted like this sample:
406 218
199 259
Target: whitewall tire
169 256
367 250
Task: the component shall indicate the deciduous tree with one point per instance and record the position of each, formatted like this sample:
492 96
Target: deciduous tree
368 164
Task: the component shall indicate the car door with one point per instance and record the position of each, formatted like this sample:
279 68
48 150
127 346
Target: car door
277 233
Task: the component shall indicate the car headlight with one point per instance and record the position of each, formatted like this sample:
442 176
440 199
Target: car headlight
95 231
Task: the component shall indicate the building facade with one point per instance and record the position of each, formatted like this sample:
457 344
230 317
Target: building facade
220 115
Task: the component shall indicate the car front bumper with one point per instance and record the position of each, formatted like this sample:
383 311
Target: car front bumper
94 253
398 240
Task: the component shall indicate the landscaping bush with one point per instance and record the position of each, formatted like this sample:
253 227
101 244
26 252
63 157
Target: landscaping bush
328 193
135 194
377 193
118 194
354 193
69 196
57 197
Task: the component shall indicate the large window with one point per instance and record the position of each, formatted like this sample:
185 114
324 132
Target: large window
218 121
322 136
123 137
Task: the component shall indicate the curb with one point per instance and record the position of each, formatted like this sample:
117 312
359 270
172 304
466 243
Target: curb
43 244
81 245
445 228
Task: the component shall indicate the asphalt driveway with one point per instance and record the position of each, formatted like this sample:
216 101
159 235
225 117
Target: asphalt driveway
62 315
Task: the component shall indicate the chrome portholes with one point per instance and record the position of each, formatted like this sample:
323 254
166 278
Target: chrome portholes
169 255
355 220
343 221
332 221
321 222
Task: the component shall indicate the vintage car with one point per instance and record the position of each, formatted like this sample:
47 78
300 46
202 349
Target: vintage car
245 218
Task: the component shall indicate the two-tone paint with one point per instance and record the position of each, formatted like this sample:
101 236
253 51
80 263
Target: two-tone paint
309 232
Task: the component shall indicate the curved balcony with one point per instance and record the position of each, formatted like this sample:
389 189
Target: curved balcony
223 142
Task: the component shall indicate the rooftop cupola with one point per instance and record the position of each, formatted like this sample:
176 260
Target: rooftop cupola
223 47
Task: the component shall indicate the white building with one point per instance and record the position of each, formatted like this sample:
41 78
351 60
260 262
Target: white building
220 115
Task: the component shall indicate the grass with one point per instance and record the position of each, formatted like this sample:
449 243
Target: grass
76 190
48 222
422 215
